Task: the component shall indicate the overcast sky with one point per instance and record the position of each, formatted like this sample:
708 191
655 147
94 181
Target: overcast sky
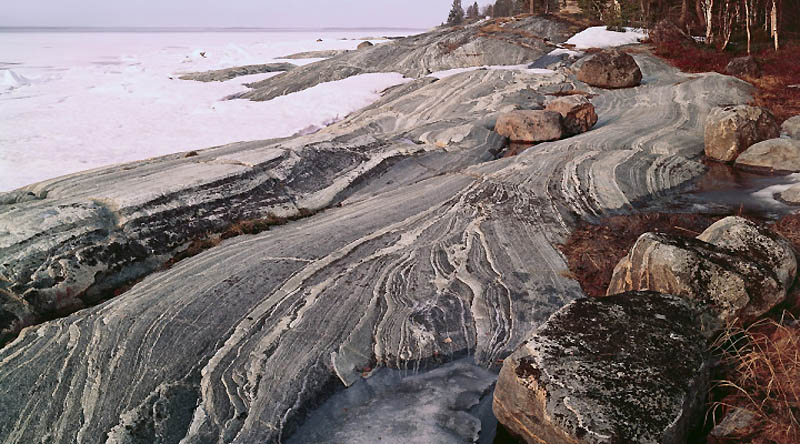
224 13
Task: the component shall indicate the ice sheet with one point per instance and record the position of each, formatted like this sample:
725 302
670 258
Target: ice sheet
75 101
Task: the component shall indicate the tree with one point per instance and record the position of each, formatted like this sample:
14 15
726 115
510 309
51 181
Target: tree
456 14
473 11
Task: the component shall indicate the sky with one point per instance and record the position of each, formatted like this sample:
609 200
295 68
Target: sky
227 13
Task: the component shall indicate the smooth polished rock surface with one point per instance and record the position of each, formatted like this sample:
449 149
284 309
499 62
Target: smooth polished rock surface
629 368
221 75
423 248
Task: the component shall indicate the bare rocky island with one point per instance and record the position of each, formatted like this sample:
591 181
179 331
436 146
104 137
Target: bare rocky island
413 246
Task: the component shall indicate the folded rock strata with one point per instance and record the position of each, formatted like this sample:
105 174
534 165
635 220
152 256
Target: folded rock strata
221 75
435 251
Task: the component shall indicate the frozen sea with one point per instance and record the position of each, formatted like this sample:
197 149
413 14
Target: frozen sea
73 100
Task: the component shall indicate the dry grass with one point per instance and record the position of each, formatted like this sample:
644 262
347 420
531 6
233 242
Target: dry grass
762 375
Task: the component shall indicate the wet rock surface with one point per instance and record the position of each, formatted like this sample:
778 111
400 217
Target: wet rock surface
530 126
730 130
610 68
414 245
577 112
781 155
632 367
734 270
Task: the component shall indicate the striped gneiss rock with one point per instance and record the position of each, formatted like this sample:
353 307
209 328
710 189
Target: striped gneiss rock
416 247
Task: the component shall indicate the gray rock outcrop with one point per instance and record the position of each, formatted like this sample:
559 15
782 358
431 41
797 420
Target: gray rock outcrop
414 246
730 130
791 127
630 368
324 54
221 75
477 44
577 112
734 270
530 126
781 155
610 68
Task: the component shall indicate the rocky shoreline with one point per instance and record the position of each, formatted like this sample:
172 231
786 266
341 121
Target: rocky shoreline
413 246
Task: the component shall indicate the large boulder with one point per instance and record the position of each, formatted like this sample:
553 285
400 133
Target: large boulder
577 112
743 66
610 68
791 127
630 368
730 130
782 155
530 125
666 32
734 270
750 240
365 45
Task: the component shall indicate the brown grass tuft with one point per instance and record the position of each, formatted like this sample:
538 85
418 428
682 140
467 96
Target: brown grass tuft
762 368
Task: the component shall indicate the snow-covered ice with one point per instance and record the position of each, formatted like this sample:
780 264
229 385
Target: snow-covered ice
74 101
600 37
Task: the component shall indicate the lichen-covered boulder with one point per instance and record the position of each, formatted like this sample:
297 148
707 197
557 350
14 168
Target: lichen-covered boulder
755 242
733 280
743 66
730 130
771 155
630 368
530 125
791 127
577 112
610 69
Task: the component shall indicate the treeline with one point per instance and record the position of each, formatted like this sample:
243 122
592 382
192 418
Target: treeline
720 22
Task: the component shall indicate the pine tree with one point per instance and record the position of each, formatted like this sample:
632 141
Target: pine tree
456 14
473 11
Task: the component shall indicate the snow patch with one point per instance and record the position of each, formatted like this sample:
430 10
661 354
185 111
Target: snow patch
600 37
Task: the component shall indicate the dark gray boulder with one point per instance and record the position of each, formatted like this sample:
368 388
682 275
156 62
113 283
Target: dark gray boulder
630 368
743 66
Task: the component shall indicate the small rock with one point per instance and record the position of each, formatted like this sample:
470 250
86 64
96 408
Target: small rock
791 195
667 32
630 368
737 423
743 66
610 69
363 45
782 155
791 127
577 111
530 125
732 129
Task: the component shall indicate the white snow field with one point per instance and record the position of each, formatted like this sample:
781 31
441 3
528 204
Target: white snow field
600 37
72 101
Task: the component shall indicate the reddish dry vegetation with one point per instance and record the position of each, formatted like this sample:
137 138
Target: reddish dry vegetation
780 69
759 364
593 250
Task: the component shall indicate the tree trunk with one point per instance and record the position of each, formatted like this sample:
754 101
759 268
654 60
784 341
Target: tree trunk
747 22
684 12
698 9
709 9
530 4
774 22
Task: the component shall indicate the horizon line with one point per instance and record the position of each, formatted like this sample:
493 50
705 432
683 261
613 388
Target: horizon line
201 28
